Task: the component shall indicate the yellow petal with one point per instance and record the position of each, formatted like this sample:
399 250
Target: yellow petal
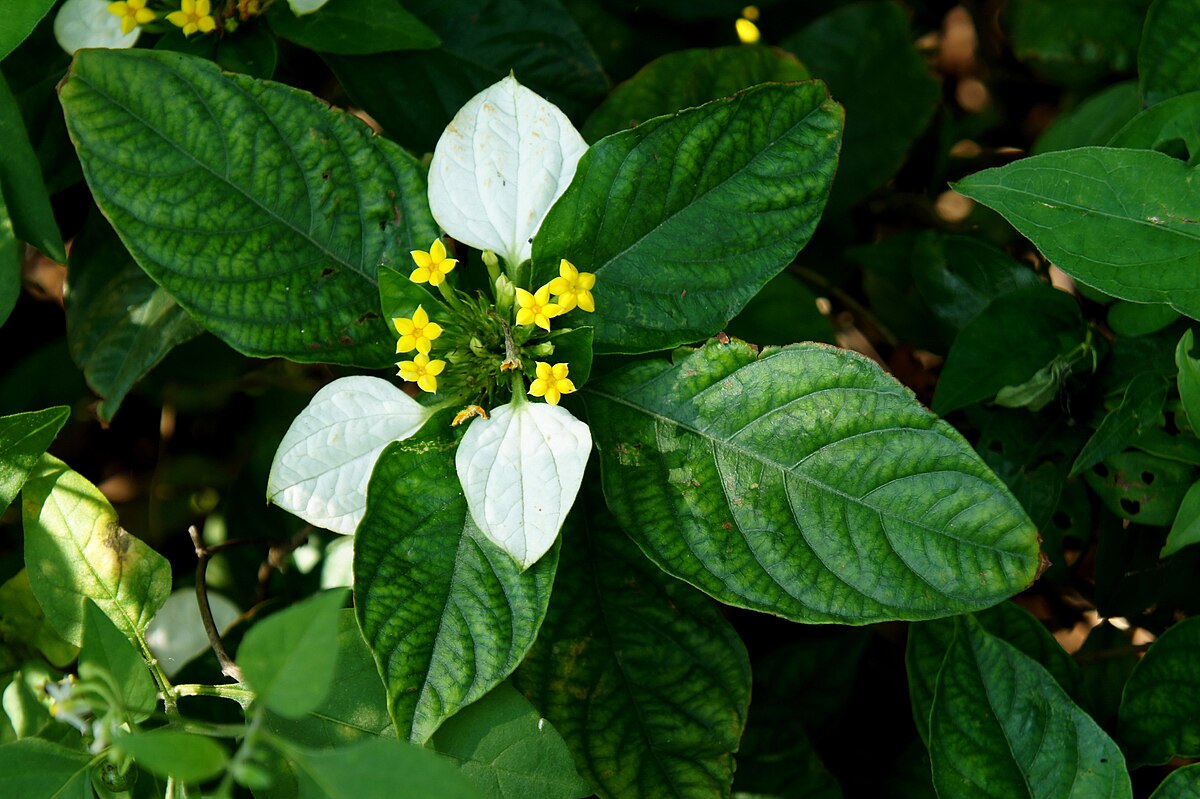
406 344
435 367
428 383
543 295
559 285
207 24
525 299
127 24
421 258
202 7
542 321
419 317
190 28
544 370
432 330
419 275
436 278
144 15
118 8
525 317
560 370
438 250
586 281
403 326
538 388
447 265
177 18
565 386
552 395
551 310
586 302
567 270
188 7
565 302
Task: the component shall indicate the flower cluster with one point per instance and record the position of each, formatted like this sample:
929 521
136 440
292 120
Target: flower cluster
190 16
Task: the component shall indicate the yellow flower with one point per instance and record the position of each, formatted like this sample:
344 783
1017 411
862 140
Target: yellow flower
422 371
552 382
132 13
192 16
432 266
417 333
467 413
536 309
574 288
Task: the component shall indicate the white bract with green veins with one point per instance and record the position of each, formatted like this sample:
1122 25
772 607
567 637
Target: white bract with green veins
500 164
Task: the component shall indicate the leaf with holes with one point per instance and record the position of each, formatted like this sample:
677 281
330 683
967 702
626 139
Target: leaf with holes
807 483
1141 487
1139 410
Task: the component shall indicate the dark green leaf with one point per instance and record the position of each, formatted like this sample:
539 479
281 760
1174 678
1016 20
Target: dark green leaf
23 439
1182 783
119 323
1160 709
1001 727
1122 221
289 658
1139 410
108 655
865 53
1189 378
447 614
892 292
1185 530
508 751
1094 121
1171 127
186 756
379 768
1139 319
252 50
1106 658
22 183
575 348
784 312
415 95
688 78
37 769
1090 37
76 551
10 264
19 20
791 769
684 218
958 276
354 27
805 483
1169 56
640 673
262 211
1007 343
1141 487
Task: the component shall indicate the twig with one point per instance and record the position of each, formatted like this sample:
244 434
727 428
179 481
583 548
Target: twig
203 554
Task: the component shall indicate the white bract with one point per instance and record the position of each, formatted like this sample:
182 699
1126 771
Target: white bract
89 23
520 471
503 160
302 7
324 462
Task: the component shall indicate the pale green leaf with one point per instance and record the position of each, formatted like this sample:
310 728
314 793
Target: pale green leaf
23 439
110 657
1160 709
186 756
37 769
1185 530
1188 378
379 768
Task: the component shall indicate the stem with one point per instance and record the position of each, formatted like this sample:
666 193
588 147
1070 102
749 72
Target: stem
237 693
203 554
449 295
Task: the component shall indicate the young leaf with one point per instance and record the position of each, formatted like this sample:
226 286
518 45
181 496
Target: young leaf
106 651
1002 727
503 160
520 470
36 769
23 439
640 673
1182 783
684 218
1160 709
1189 378
1185 530
805 483
1139 410
354 27
447 614
289 658
323 464
22 182
1169 56
1117 220
507 750
261 210
186 756
76 551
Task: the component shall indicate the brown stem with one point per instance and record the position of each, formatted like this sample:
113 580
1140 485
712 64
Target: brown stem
203 554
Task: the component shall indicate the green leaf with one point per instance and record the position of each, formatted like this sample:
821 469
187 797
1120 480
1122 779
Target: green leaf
10 265
18 22
1077 39
482 41
1139 319
185 756
1107 658
805 483
76 551
22 619
23 439
262 211
1169 56
356 705
1160 709
119 323
1172 127
1001 726
22 182
1139 410
1189 378
784 312
1094 121
865 53
507 750
1185 530
379 768
1007 343
1182 783
688 78
1141 487
684 218
354 27
447 614
109 656
289 658
35 769
640 673
1121 221
251 50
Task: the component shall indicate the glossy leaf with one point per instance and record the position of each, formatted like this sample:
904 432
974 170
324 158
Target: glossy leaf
1169 56
323 464
23 439
520 470
1001 726
1094 121
1117 220
503 160
805 483
176 635
75 551
21 180
1182 783
447 614
1160 709
640 673
688 78
19 21
1139 410
506 750
262 211
1188 378
1171 127
108 655
119 323
36 769
354 27
1185 530
684 218
186 756
289 658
